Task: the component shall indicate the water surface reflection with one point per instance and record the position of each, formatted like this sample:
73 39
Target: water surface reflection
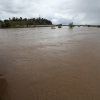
3 87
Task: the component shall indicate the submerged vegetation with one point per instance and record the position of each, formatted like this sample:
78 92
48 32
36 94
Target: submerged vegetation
23 22
71 25
59 25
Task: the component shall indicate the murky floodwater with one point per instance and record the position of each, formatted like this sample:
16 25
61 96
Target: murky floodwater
50 64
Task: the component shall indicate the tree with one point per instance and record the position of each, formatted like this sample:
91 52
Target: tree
3 25
13 19
12 22
7 25
21 19
71 25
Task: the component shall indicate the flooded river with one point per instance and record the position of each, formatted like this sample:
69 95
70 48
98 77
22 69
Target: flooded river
50 64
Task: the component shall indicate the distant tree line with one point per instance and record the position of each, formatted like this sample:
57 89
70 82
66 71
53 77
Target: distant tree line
12 22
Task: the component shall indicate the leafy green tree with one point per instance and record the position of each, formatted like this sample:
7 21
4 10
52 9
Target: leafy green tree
7 25
2 25
21 19
13 19
12 22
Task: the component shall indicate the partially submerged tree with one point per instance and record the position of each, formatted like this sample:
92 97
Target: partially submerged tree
59 25
71 25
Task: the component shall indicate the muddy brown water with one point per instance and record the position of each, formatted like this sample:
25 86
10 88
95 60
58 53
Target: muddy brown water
50 64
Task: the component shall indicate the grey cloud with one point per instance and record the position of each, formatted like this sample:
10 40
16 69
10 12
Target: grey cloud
59 11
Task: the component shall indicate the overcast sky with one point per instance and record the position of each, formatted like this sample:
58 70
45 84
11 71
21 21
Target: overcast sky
58 11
